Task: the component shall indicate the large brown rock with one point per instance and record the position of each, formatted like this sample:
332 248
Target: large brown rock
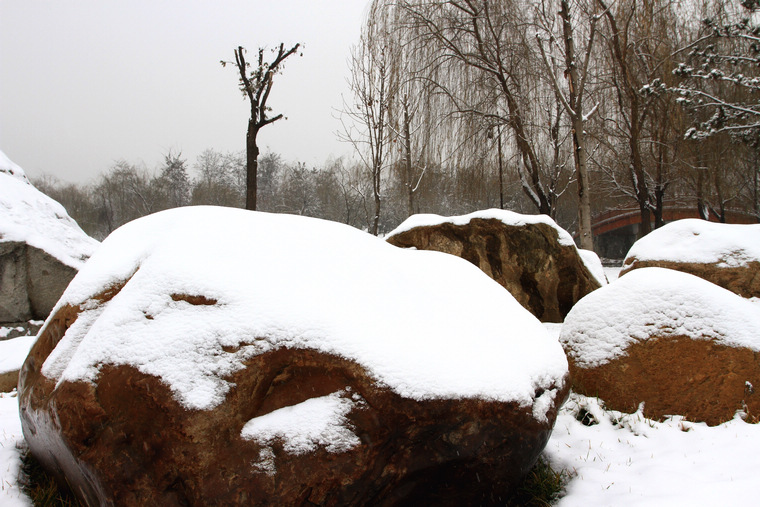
530 256
674 342
727 255
137 396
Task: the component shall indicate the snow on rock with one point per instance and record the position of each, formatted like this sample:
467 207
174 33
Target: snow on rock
315 422
292 354
302 283
529 255
669 341
29 216
651 302
594 265
699 241
505 216
7 166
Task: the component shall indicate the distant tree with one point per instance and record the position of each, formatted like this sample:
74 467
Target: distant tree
256 85
173 182
216 183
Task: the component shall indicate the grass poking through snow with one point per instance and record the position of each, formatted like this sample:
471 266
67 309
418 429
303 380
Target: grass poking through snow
41 487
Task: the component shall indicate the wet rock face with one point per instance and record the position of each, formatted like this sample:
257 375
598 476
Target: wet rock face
31 281
126 440
547 278
742 280
700 379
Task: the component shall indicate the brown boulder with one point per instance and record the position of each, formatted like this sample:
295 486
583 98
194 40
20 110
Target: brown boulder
674 342
727 255
530 256
267 420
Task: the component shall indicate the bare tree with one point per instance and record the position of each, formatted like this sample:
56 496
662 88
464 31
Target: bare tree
640 42
365 118
576 73
256 85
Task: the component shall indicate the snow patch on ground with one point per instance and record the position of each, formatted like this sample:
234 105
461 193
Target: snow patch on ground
11 443
426 324
29 216
700 241
628 460
656 302
506 216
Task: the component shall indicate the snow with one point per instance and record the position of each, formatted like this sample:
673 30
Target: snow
8 167
425 324
508 217
11 441
649 302
29 216
589 258
594 265
13 352
316 422
628 460
622 460
699 241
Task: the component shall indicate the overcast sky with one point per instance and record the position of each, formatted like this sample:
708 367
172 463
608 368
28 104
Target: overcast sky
84 83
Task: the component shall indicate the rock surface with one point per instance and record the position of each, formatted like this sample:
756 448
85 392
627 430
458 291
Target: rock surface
41 247
727 255
266 378
674 342
530 256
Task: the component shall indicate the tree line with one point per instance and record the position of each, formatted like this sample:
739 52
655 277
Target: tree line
337 190
562 107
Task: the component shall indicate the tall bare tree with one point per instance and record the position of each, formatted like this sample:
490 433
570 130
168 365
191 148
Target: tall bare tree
365 116
640 40
576 72
256 85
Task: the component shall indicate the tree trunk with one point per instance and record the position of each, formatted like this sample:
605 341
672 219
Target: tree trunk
501 169
702 208
251 166
637 171
408 160
584 198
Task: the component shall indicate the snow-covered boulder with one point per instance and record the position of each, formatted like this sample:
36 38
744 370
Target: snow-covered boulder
724 254
41 247
218 356
673 341
529 255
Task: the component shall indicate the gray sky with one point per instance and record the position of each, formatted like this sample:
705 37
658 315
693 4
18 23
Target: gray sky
84 83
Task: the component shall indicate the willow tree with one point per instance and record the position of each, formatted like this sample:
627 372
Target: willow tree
256 85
